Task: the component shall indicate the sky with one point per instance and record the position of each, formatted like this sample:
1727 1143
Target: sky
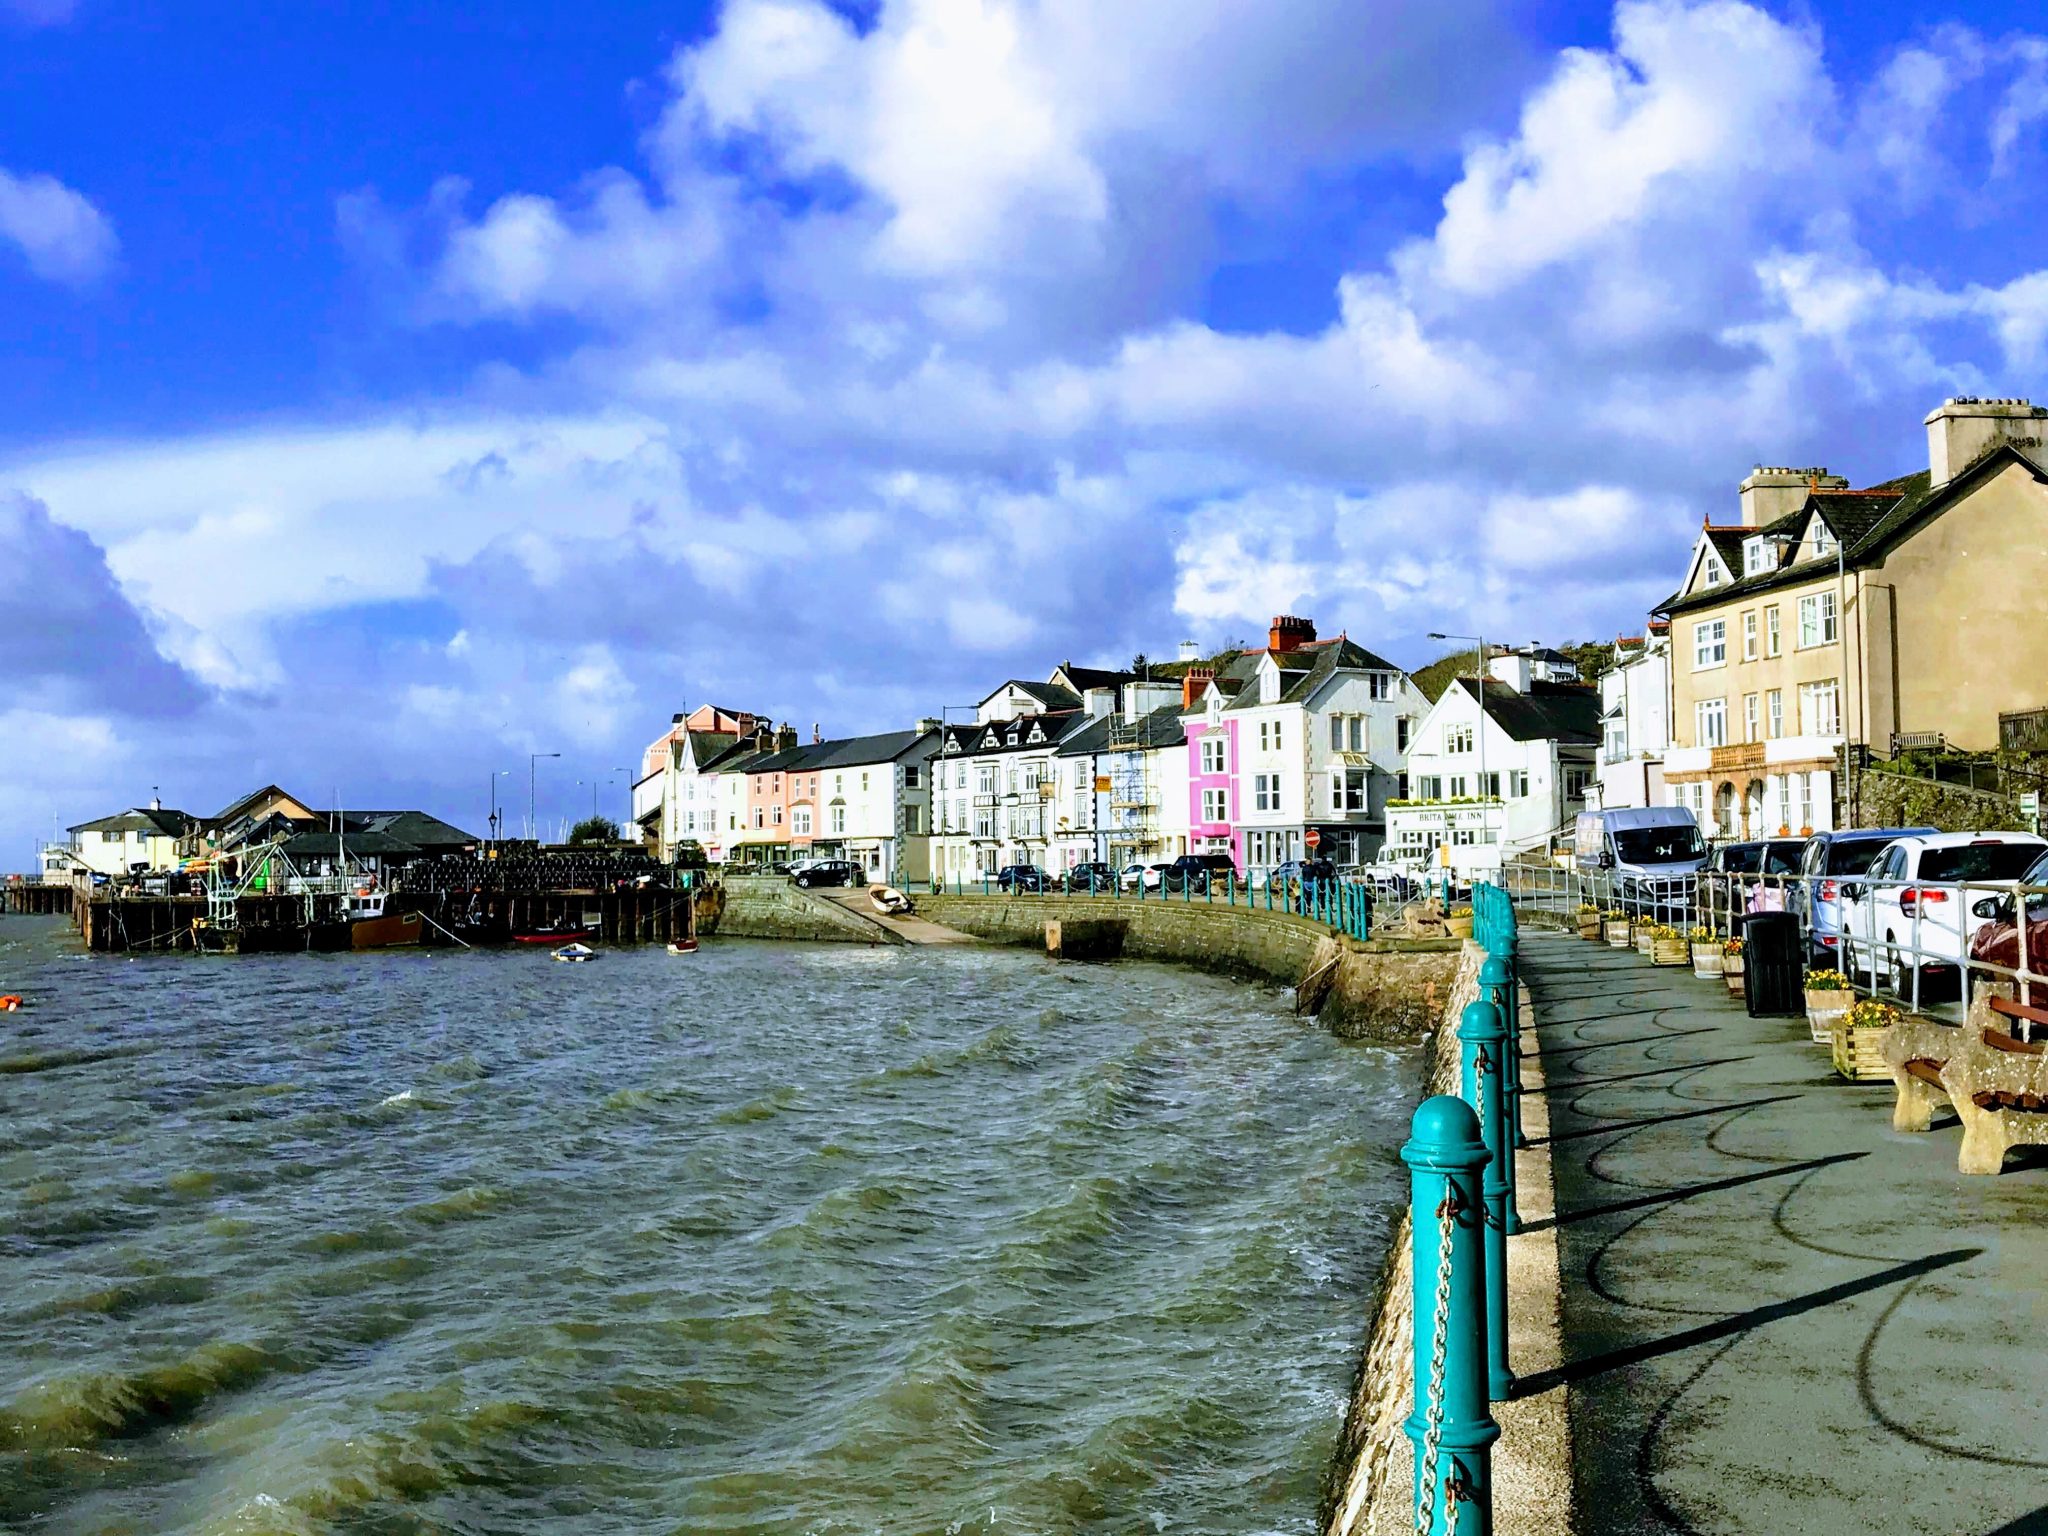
390 393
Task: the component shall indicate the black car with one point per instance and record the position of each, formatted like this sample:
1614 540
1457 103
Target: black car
1091 877
1198 872
826 872
1023 877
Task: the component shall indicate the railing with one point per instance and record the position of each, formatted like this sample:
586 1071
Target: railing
1913 942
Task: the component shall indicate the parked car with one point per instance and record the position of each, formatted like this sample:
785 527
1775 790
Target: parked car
1292 874
1092 876
1902 916
1825 862
1023 877
1725 892
1198 872
826 872
1142 877
1996 940
1653 855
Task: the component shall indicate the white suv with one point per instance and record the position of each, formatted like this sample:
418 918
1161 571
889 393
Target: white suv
1906 914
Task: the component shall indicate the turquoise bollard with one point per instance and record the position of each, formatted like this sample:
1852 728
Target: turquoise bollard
1450 1427
1482 1044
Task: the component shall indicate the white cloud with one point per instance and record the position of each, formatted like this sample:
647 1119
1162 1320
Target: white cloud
63 237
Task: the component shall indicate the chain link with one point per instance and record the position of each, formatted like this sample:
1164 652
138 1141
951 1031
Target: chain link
1433 1402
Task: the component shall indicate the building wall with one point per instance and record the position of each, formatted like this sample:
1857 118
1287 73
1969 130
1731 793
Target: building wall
1954 615
1201 830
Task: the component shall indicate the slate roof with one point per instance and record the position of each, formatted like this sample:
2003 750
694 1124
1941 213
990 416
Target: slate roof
1156 728
1303 670
1562 712
1866 523
414 827
324 844
1051 695
139 819
968 740
1085 678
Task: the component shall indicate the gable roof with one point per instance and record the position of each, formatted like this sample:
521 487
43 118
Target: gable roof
1304 670
248 802
1563 712
141 818
1051 728
1084 678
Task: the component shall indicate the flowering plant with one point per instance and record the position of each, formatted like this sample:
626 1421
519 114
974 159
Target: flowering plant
1663 931
1732 947
1826 981
1873 1013
1461 911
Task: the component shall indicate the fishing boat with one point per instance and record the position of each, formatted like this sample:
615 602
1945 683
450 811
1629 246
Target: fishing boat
889 901
574 954
371 927
683 947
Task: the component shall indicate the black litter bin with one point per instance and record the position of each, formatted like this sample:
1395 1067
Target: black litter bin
1773 977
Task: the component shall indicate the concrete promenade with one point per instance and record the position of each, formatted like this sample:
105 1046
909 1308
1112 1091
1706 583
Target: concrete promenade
1778 1314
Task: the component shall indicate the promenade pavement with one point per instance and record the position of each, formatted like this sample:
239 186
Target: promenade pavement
1779 1315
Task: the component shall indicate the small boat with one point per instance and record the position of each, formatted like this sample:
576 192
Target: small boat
889 901
370 927
683 947
11 1003
575 953
552 933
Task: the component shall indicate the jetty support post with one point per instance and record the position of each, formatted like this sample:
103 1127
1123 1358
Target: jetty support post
1450 1428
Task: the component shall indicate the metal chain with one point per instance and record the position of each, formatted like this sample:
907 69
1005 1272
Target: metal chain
1433 1402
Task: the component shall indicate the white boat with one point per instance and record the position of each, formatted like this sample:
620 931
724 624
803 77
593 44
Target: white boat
889 901
575 953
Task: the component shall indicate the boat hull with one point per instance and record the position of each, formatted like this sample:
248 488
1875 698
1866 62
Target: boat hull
399 931
556 936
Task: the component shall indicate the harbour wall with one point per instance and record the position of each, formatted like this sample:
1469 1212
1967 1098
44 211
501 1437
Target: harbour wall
772 907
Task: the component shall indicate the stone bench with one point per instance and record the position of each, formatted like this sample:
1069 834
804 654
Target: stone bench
1995 1080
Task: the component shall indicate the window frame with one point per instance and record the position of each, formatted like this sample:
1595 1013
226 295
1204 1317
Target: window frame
1703 647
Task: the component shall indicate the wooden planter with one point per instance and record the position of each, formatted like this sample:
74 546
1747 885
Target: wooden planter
1856 1053
1589 928
1731 972
1823 1011
1644 943
1706 960
1668 952
1460 927
1617 933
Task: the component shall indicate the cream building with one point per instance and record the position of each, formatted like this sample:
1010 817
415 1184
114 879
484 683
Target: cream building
1829 617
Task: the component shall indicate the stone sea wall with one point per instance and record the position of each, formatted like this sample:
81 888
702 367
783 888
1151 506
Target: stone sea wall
1381 1391
770 907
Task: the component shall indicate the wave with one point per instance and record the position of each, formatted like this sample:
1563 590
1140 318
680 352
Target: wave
766 1107
82 1410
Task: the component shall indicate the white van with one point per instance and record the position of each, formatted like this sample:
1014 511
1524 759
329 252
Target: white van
1652 855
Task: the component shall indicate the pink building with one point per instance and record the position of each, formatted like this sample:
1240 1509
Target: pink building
1212 771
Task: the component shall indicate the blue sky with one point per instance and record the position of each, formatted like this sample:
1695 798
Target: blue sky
391 395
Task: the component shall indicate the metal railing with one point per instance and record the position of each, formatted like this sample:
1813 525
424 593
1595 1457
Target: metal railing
1912 942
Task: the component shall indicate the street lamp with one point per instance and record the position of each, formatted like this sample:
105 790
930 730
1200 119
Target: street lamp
629 798
1479 734
495 776
532 780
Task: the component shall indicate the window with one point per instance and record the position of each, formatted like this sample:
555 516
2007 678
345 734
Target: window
760 817
1518 783
1429 786
1710 716
985 821
839 782
1709 643
1749 717
778 816
1817 619
1457 738
985 778
1823 538
1774 708
1820 712
1336 733
1577 781
1771 642
1013 778
1358 733
1380 686
800 821
838 818
1212 755
1755 558
1212 805
1460 789
912 776
1489 785
1266 791
863 783
1749 635
1401 734
1710 574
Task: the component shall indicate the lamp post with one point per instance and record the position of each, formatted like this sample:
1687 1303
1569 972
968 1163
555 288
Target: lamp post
1479 732
532 783
496 775
628 821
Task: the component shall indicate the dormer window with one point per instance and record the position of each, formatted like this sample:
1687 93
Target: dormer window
1711 575
1756 556
1823 537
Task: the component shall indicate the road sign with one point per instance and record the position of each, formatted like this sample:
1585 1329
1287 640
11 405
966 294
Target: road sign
1312 837
2030 804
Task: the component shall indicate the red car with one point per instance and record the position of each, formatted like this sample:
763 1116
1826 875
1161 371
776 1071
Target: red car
1997 942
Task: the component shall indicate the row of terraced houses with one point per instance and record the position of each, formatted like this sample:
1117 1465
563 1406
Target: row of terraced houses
1267 754
1824 625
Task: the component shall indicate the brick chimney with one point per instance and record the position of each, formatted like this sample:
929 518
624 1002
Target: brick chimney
785 738
1769 491
1289 633
1963 430
1194 683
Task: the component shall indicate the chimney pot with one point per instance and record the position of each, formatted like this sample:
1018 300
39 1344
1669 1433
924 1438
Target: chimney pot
1289 633
1194 683
1962 430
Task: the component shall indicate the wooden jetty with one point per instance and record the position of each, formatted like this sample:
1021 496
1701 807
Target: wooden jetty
33 898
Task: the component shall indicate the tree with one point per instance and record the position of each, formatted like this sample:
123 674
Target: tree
1436 677
594 829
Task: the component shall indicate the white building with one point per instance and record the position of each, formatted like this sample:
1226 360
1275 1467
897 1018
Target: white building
996 782
141 840
1537 744
1114 775
678 798
1635 721
874 802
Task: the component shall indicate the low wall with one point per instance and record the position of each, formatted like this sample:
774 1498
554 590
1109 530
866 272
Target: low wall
770 907
1375 989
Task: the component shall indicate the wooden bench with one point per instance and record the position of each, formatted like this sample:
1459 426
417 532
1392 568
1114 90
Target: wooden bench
1995 1079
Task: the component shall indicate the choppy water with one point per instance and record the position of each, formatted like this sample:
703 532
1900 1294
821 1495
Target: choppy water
772 1239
